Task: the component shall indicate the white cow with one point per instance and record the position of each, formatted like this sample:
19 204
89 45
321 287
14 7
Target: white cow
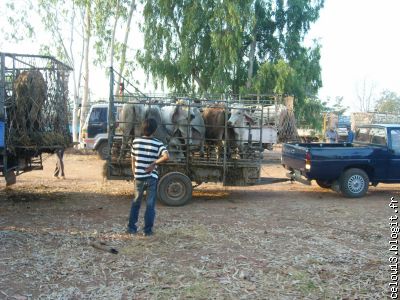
176 118
132 117
238 122
197 131
182 120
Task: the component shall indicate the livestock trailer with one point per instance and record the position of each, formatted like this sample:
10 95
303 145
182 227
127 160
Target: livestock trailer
232 160
33 111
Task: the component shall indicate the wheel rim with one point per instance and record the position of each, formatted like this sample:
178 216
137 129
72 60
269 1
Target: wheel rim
105 150
356 184
176 190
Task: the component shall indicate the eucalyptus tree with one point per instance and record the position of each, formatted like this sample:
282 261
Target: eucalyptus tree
210 46
388 102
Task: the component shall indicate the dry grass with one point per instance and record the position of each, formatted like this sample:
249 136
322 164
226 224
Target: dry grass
273 242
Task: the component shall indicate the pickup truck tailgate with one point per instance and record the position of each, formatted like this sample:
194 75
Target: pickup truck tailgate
293 156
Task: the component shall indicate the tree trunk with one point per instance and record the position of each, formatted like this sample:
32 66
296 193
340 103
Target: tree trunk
85 98
113 35
198 81
75 95
124 46
251 62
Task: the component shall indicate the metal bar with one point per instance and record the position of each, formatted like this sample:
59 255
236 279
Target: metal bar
111 121
15 55
3 116
125 80
2 87
225 145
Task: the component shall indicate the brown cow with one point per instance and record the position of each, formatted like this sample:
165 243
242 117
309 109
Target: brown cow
214 121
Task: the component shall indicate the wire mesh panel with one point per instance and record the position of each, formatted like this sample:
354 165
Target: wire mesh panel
35 98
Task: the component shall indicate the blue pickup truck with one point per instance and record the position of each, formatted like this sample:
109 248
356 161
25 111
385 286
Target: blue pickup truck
349 168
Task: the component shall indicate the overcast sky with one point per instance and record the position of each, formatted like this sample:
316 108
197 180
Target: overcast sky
360 42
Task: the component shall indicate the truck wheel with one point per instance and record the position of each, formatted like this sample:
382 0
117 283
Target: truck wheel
324 184
103 150
175 189
354 183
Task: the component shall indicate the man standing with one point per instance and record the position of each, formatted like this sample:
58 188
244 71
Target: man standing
59 170
331 135
147 153
350 134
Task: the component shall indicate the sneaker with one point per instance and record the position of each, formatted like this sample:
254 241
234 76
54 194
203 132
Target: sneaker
128 231
147 234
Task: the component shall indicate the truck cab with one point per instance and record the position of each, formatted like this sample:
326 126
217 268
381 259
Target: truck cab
94 131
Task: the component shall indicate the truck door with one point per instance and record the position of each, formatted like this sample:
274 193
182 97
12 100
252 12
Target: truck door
97 122
394 163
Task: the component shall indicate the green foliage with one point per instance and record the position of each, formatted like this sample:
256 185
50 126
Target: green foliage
337 107
310 113
205 46
388 102
18 25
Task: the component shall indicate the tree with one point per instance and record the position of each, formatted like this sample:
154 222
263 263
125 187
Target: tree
209 46
89 23
337 107
388 102
18 25
365 95
310 114
54 14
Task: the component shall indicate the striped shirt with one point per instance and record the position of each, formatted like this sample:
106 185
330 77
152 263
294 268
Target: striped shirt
145 151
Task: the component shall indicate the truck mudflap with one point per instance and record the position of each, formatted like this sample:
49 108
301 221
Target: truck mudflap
296 176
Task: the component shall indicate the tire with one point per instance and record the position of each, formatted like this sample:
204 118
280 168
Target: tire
103 150
324 184
354 183
175 189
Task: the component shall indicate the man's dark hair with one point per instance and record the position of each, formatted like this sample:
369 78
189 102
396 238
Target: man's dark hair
149 126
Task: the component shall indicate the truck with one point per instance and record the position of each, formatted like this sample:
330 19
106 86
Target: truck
219 163
348 168
33 111
95 128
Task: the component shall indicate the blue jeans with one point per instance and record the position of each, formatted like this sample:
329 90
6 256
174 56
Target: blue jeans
150 185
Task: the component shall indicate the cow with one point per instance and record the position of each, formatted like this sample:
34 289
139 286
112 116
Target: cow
214 122
176 119
186 122
238 120
197 131
179 120
132 117
214 119
175 150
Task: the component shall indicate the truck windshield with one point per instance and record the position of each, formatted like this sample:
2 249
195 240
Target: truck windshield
98 115
368 135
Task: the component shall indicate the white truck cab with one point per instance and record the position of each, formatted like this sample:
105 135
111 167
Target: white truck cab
94 131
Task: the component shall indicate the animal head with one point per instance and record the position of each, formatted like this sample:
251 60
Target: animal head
239 116
175 149
183 114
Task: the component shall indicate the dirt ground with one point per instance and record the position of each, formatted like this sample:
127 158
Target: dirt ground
274 241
